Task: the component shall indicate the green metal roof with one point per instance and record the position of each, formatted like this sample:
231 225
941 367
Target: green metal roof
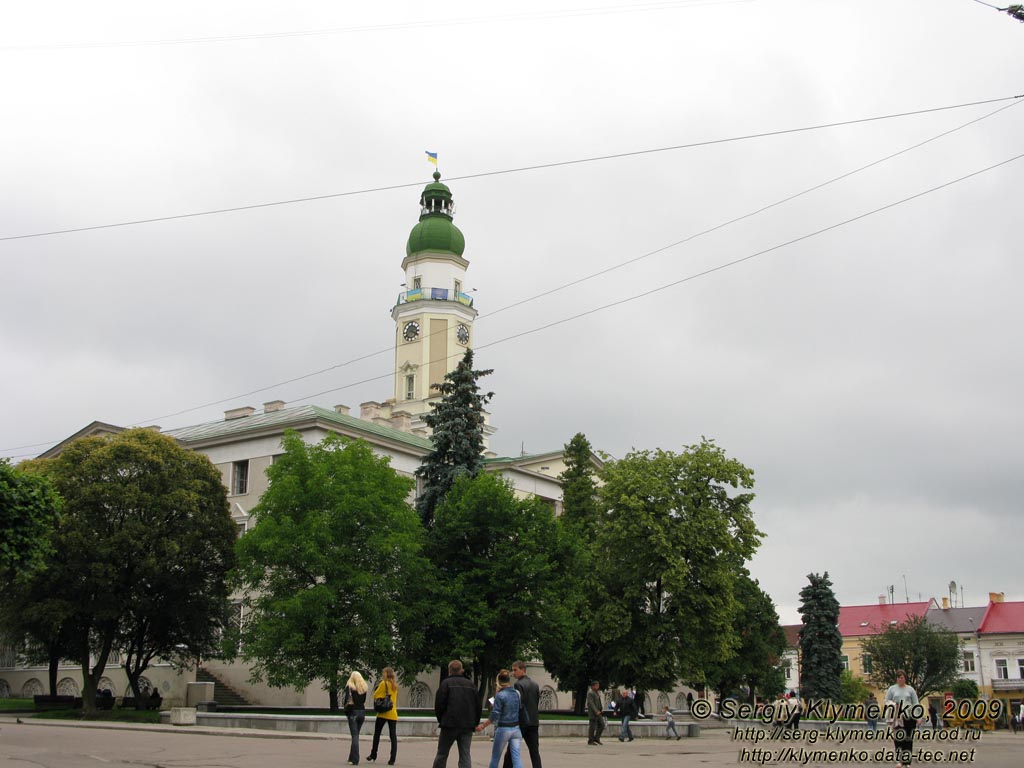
289 417
435 232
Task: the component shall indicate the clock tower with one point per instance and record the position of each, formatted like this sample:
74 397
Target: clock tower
434 314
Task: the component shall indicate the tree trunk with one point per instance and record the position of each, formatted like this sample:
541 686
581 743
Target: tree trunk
332 694
579 704
88 689
54 662
133 682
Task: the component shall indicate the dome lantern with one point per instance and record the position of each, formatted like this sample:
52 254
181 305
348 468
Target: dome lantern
435 230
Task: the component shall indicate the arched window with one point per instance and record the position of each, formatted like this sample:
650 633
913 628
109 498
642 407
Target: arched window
67 687
548 698
420 697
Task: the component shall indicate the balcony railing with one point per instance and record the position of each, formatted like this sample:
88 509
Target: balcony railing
435 294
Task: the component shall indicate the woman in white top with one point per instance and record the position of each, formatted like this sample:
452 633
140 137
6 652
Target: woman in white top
902 710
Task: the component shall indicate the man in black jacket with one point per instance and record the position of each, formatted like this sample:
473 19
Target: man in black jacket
529 722
457 707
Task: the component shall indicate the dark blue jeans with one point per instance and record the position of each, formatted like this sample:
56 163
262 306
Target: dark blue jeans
355 723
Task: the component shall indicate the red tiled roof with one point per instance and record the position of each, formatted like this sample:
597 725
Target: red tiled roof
792 632
858 620
1002 617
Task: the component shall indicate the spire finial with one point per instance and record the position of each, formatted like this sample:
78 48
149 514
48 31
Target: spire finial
437 175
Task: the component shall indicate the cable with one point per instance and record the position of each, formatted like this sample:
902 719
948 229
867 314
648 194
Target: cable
746 215
600 272
569 284
520 169
557 14
694 276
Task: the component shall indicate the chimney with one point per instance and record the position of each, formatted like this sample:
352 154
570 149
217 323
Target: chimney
401 420
996 597
881 599
369 410
945 603
342 409
239 413
273 405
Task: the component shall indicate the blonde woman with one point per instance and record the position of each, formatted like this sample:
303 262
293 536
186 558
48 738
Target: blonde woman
355 712
388 686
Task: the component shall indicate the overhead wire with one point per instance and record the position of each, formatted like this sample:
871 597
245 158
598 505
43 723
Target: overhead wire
520 169
552 14
584 278
688 278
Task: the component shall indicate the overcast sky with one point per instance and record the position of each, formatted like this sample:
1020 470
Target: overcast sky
871 375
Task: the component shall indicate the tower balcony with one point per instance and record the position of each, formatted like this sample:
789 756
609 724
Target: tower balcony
435 294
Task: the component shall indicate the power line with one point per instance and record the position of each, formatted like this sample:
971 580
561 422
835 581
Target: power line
695 276
606 270
674 283
554 14
520 169
563 286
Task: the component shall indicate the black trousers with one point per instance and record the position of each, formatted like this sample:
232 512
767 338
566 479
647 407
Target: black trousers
378 726
532 740
461 736
904 740
596 729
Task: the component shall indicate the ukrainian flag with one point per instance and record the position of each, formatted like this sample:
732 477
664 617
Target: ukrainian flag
432 157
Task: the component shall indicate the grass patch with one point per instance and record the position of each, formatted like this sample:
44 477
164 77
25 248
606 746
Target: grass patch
112 716
316 712
16 704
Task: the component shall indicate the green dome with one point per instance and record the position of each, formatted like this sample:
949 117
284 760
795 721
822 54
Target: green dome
435 231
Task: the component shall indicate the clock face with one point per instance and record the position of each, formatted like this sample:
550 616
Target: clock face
462 334
411 331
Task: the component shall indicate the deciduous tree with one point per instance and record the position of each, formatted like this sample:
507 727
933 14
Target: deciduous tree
145 545
28 515
929 654
334 568
754 664
674 534
498 561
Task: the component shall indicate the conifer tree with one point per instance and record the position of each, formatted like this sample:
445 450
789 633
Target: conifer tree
574 657
457 424
820 641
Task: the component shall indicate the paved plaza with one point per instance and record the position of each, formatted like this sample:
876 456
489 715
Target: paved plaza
51 744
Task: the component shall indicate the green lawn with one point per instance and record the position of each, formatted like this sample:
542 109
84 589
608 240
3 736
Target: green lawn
115 715
9 704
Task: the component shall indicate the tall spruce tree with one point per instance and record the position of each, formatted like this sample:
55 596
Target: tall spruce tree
574 657
457 424
820 642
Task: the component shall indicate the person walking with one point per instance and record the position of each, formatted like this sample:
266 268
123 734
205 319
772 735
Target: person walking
670 725
505 716
871 712
795 710
354 704
457 708
901 705
386 688
529 714
595 713
627 709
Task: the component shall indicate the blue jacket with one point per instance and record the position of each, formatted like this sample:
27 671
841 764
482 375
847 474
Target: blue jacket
505 711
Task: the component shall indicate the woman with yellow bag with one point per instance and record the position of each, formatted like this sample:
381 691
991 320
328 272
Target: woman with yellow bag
385 704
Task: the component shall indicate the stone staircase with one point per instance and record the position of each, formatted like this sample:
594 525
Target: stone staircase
223 694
